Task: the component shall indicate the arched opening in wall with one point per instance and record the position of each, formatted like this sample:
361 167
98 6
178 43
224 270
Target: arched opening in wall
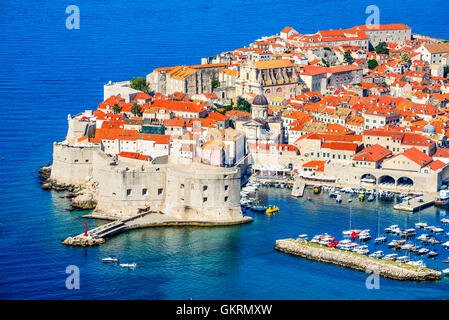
279 90
368 178
387 181
405 182
268 91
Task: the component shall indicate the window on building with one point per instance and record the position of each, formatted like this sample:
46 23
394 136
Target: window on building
226 199
204 199
204 188
159 191
226 187
144 191
128 192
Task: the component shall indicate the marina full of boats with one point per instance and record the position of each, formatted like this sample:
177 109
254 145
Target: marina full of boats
412 246
248 198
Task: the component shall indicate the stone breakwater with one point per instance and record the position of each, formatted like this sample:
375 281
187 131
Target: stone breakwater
387 269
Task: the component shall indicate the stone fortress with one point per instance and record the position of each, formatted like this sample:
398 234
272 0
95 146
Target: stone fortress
125 187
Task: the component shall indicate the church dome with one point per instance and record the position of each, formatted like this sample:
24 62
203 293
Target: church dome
428 129
260 100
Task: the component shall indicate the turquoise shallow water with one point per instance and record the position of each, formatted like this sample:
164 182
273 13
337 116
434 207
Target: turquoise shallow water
47 71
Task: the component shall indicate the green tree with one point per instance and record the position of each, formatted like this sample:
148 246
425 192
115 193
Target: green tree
116 108
372 64
326 64
139 83
382 48
243 105
136 109
404 57
348 58
215 84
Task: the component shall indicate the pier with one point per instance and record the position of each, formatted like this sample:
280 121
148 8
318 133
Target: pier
98 235
413 205
387 269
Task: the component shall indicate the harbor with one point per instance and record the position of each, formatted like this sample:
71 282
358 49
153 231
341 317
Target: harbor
422 246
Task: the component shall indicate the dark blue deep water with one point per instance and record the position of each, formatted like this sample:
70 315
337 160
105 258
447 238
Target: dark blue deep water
47 71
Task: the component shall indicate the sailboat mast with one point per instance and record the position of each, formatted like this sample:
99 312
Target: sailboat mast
350 218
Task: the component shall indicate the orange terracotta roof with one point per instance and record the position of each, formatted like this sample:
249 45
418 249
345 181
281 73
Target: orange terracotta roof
372 153
318 165
340 146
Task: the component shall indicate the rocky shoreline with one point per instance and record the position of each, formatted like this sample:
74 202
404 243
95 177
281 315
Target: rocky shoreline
384 268
82 197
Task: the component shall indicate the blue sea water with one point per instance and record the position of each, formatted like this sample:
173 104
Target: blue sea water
48 71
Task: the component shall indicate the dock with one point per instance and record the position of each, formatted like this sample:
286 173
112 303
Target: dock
298 188
413 205
388 269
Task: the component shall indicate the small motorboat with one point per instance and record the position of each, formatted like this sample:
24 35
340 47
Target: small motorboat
436 230
446 261
364 236
391 228
271 209
258 208
380 240
424 237
446 244
432 254
339 198
377 255
371 198
110 259
391 257
423 251
421 225
128 265
434 241
445 221
396 243
403 259
445 272
409 233
316 189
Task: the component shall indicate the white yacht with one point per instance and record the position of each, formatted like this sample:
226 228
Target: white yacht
110 259
128 265
421 225
380 240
